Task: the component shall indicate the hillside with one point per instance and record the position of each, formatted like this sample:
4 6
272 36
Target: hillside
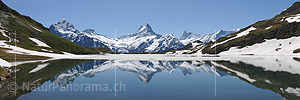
31 35
276 36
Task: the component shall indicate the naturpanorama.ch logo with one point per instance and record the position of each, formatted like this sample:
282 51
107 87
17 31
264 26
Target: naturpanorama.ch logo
36 86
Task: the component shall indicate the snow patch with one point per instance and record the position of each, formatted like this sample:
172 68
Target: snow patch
39 43
294 18
268 28
295 91
35 28
268 81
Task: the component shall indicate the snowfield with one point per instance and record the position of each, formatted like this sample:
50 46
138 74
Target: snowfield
294 18
269 47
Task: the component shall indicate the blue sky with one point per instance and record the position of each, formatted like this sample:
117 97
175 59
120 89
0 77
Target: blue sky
164 16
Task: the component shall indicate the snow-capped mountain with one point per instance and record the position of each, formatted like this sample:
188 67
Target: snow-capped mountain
143 40
87 38
146 40
189 37
145 70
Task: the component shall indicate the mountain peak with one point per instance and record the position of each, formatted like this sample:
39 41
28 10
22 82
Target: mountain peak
184 32
62 21
143 31
220 31
145 28
167 35
90 31
185 35
146 25
293 9
65 26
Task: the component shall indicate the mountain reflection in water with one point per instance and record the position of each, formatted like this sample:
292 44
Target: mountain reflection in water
278 74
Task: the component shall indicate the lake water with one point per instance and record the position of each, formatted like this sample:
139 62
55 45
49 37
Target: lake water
237 79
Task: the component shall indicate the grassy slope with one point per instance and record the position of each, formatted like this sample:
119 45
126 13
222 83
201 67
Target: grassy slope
279 30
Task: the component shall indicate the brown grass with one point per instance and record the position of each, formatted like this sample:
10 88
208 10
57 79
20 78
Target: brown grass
20 57
4 72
